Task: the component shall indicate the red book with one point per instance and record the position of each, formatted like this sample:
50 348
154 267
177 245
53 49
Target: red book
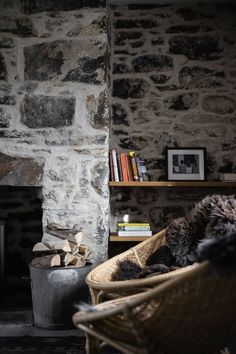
124 165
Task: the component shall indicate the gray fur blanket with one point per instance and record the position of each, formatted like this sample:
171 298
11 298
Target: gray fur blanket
211 217
210 224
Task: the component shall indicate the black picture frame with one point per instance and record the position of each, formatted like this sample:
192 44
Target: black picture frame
186 164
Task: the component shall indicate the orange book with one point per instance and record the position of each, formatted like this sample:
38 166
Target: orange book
124 165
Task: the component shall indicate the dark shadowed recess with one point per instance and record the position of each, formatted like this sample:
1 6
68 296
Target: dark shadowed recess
46 345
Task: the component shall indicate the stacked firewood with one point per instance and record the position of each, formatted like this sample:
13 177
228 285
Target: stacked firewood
61 248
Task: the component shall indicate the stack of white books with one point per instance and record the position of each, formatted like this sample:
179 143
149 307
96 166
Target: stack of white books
228 177
134 229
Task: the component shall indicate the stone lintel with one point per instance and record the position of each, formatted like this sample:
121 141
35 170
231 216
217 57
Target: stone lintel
21 172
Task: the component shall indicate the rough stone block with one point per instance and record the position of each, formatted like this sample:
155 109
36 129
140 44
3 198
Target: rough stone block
182 102
44 61
160 78
136 143
130 88
47 111
152 62
6 42
135 106
119 115
199 77
190 14
4 119
214 131
167 88
136 44
143 7
145 196
8 100
88 71
3 69
122 37
20 26
65 60
158 41
218 104
16 171
135 23
96 27
99 173
203 47
188 29
35 6
120 68
98 111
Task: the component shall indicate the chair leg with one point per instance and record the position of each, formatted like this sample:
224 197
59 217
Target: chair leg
92 345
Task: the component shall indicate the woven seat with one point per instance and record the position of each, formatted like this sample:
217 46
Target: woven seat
192 313
100 281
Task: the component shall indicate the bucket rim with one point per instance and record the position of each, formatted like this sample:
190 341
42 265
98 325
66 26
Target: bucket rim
90 263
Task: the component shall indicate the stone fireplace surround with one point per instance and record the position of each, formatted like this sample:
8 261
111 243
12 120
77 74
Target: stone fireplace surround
54 118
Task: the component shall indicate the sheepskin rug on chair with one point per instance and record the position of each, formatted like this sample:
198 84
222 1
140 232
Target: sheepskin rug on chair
188 238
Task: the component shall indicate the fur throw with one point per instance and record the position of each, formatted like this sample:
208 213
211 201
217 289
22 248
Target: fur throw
221 251
211 219
213 216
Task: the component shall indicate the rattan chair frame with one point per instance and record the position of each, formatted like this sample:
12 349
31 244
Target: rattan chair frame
100 281
192 313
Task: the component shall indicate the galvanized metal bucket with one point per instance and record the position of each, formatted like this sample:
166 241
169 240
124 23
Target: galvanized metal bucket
55 291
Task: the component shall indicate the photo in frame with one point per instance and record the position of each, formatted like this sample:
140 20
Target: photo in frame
186 164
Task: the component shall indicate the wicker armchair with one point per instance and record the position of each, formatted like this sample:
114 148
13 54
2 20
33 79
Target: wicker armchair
99 279
192 313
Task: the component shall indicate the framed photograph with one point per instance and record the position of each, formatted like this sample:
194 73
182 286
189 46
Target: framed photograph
186 164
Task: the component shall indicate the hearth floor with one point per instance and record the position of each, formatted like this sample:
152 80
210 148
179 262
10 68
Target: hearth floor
20 323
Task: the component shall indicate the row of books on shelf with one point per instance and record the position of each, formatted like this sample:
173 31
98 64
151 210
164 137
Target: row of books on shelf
134 229
126 167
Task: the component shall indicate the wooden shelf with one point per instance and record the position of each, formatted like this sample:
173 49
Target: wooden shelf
174 184
115 238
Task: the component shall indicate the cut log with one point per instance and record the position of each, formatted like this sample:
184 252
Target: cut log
47 261
41 248
60 246
67 258
64 234
84 250
78 261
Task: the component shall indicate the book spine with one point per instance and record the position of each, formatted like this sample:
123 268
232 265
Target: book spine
228 177
134 165
119 167
123 158
112 176
139 169
143 169
130 169
114 159
133 228
134 233
133 224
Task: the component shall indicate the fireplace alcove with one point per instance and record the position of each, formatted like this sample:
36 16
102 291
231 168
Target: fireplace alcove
21 213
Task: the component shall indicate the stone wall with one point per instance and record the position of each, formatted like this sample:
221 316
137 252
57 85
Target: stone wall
53 110
173 84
